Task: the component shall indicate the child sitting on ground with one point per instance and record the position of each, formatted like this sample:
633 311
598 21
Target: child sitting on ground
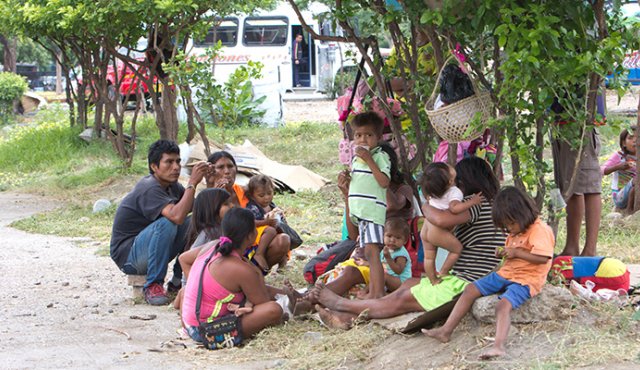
438 185
370 177
394 256
622 164
527 259
260 193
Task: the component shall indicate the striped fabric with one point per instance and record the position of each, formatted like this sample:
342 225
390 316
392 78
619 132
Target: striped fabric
367 199
218 306
480 239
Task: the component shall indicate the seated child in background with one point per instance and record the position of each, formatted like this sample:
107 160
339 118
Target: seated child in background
527 253
394 256
438 186
260 193
622 164
395 259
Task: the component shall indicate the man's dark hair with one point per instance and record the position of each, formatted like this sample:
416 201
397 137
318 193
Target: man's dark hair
436 179
157 149
369 119
513 205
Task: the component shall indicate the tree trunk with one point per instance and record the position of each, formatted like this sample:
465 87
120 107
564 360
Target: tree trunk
636 185
58 76
10 45
542 187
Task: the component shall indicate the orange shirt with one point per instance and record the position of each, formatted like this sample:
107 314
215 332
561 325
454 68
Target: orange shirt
537 239
242 197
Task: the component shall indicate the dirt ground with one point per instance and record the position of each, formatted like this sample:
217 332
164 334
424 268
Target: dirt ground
66 307
307 111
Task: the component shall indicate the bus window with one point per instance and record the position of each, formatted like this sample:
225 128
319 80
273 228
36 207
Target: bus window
226 32
265 31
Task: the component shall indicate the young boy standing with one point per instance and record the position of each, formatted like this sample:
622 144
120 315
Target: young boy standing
370 170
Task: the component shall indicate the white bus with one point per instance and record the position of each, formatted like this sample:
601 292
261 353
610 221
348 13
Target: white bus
267 37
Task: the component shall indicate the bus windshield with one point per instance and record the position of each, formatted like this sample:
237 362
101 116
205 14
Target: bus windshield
226 31
265 31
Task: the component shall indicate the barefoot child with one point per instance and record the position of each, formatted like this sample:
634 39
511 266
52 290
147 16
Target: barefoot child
370 170
394 257
438 184
527 260
260 193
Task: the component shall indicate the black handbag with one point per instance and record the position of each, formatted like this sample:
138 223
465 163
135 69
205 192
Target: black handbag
223 332
296 240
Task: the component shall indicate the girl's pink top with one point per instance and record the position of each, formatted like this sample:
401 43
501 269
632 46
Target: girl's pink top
620 178
215 298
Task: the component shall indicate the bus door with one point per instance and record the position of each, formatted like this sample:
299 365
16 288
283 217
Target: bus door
307 66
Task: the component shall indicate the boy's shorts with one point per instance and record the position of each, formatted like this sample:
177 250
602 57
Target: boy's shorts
493 283
370 233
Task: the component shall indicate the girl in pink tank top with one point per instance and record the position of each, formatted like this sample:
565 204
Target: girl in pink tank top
229 279
215 297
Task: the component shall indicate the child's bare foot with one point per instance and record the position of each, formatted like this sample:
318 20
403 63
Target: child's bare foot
333 319
492 353
293 295
302 307
313 295
437 334
325 296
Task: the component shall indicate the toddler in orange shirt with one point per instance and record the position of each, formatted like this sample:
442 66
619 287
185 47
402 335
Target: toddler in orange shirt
527 259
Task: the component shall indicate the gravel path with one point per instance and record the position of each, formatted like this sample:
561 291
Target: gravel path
66 307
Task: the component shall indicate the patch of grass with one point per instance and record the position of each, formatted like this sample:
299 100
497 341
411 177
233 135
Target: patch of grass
612 338
313 145
72 221
308 345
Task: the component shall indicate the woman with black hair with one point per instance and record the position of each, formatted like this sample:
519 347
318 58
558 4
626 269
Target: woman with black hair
223 176
479 238
229 281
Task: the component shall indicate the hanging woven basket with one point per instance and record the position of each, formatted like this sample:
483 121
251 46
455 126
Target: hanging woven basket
452 121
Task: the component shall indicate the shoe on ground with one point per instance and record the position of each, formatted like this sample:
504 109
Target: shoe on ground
155 295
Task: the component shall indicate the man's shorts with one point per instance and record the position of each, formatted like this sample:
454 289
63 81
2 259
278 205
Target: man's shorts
493 283
588 176
370 233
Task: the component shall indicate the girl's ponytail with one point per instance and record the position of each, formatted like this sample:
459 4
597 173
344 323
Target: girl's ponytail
225 246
